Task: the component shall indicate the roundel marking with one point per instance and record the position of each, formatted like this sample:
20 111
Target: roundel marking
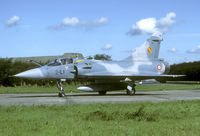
159 67
149 49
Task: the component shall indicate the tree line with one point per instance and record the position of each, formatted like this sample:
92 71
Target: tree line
190 69
9 68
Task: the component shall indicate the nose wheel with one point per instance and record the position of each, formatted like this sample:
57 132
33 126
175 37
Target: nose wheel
61 92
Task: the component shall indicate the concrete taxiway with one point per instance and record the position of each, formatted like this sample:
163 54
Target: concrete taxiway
90 98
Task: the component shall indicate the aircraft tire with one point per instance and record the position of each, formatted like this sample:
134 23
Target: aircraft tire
61 94
132 92
102 92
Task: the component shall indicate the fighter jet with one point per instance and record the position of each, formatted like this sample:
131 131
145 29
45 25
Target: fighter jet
107 75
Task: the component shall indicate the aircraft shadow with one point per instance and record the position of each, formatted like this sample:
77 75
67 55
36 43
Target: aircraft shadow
77 95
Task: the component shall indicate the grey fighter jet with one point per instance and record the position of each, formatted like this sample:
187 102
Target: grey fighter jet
107 75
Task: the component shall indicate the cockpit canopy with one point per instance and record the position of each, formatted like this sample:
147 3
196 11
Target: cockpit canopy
60 61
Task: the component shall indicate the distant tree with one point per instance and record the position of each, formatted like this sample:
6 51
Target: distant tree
5 66
102 57
90 57
191 70
8 68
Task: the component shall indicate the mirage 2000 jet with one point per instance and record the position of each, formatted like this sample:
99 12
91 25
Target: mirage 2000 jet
107 75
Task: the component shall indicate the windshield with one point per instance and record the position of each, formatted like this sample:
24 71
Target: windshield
60 61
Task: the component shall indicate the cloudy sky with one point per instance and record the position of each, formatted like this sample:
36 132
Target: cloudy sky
113 27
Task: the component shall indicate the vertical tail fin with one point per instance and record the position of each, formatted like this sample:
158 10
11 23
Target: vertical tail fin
150 49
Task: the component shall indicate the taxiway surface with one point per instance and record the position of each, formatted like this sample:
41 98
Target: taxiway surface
90 98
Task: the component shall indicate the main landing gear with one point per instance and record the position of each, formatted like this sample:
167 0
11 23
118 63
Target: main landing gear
130 89
61 92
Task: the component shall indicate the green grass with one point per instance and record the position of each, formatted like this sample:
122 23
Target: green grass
72 88
180 118
36 89
165 87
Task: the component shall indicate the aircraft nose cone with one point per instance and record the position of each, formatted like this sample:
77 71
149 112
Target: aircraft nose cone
33 74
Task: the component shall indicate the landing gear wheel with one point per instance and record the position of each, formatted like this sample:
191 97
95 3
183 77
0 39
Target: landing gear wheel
131 89
132 92
102 92
61 94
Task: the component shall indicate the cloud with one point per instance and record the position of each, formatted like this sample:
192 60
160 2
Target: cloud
172 50
70 21
107 47
194 51
150 25
13 21
76 22
97 22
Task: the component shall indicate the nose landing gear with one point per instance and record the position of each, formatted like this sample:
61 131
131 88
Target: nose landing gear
61 92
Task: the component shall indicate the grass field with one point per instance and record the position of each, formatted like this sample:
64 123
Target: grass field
72 88
180 118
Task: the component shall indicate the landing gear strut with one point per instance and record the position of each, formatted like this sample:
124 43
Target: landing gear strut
131 88
60 88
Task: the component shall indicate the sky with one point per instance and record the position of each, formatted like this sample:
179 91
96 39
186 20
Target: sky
113 27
